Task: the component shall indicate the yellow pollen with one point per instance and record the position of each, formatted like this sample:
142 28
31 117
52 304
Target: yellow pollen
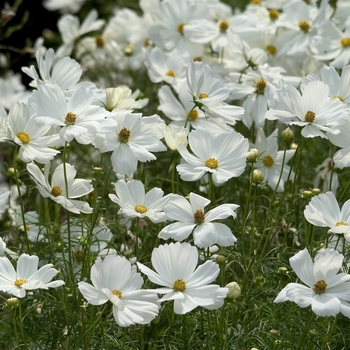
117 292
24 137
193 115
345 42
341 223
180 28
197 59
203 95
211 163
304 26
124 135
27 228
273 14
147 42
70 118
339 98
100 42
141 209
179 285
260 86
19 282
56 191
223 25
320 287
129 50
79 255
310 116
170 73
268 161
199 216
255 2
271 49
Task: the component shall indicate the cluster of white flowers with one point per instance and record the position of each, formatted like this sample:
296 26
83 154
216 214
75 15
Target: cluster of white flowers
286 61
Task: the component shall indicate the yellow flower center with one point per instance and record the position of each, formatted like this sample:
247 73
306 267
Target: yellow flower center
341 223
100 42
129 50
197 59
24 137
27 228
56 191
179 285
268 161
70 118
170 73
345 42
223 25
124 135
304 26
339 98
117 292
320 287
193 115
273 14
19 282
310 116
180 28
260 86
141 209
211 163
203 95
255 2
271 49
199 217
147 42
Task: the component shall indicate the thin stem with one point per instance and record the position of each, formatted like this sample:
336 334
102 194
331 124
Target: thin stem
301 344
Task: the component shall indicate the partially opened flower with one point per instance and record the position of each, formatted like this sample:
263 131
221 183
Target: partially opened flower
188 286
113 279
323 211
57 190
27 276
135 203
326 290
191 218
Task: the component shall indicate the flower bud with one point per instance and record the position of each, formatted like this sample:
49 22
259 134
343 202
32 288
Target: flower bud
234 291
307 194
13 302
221 260
287 134
253 155
316 191
97 170
274 332
257 176
283 269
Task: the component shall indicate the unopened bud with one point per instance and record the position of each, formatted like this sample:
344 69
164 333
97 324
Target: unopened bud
97 170
13 302
253 155
282 269
234 290
316 191
307 194
287 134
274 332
221 260
257 176
293 146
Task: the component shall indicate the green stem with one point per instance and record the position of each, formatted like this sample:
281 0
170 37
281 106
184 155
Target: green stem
170 328
301 343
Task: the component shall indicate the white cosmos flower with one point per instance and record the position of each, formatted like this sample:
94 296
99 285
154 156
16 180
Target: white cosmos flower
209 94
4 196
134 202
188 286
113 279
191 218
326 291
33 141
27 277
223 155
131 140
77 118
175 135
56 191
323 211
270 162
313 110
